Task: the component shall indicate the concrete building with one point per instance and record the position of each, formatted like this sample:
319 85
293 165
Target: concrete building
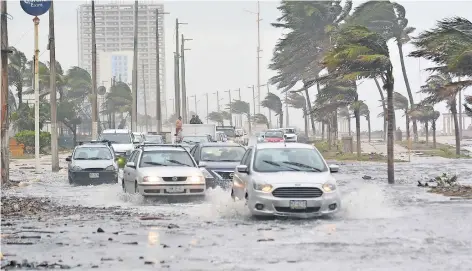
114 37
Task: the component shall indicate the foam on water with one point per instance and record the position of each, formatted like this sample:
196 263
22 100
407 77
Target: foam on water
368 201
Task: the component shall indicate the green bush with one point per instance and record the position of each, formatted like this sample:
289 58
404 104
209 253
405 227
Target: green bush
26 137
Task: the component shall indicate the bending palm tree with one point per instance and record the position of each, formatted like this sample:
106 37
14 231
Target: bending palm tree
274 103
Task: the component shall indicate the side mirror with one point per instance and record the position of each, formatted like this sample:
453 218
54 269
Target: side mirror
131 164
242 169
202 164
333 168
69 158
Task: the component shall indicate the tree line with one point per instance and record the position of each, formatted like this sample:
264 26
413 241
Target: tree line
333 46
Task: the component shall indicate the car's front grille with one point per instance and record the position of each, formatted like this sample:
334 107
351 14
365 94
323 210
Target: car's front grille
297 192
174 179
225 175
307 210
94 169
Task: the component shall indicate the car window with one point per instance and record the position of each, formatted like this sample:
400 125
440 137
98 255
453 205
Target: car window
277 134
131 157
166 158
136 157
154 139
288 159
120 138
195 139
93 153
247 162
222 153
243 160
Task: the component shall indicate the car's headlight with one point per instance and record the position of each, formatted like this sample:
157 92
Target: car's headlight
196 179
329 187
206 174
111 168
76 168
264 187
151 179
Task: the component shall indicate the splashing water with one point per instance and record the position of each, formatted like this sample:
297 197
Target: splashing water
368 201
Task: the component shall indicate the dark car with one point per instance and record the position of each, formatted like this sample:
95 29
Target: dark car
219 160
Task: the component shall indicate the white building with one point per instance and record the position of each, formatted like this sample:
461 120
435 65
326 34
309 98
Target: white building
114 38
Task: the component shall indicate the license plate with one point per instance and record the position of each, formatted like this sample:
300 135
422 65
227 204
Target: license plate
298 204
94 175
175 189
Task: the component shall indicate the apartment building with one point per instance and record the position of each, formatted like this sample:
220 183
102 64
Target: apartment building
114 38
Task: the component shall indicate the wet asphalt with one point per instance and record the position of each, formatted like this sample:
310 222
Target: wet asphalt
381 227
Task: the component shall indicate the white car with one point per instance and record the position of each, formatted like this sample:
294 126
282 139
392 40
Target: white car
163 170
122 140
290 134
286 179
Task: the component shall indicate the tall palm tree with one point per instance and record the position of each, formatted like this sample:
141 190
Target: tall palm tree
360 53
260 119
17 72
439 88
468 105
297 101
274 103
388 19
343 112
242 108
400 102
365 112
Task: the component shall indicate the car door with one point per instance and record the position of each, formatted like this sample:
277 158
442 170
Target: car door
239 179
133 170
127 170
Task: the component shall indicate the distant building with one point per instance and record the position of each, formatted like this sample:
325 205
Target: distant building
114 37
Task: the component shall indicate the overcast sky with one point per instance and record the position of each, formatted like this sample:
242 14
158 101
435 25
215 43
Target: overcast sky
223 50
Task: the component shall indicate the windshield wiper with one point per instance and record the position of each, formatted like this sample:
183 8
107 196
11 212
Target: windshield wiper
279 165
228 160
178 163
155 164
302 165
80 158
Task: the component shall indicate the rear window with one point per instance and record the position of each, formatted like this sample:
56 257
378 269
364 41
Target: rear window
277 134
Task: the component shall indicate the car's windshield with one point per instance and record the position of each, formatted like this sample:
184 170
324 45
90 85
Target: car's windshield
120 138
288 159
289 131
172 158
195 139
154 139
228 132
138 137
92 153
274 134
222 153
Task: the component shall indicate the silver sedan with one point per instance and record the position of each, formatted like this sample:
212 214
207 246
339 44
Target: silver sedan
286 179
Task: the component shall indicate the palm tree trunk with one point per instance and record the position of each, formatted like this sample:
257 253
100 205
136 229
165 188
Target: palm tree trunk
249 123
368 125
382 99
322 131
358 132
335 129
456 126
349 125
281 119
390 115
328 134
426 130
433 127
407 118
305 120
308 102
19 93
407 84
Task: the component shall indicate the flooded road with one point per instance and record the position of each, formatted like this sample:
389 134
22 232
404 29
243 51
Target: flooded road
381 227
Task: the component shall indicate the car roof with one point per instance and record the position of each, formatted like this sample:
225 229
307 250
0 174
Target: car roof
116 131
162 148
220 144
277 145
92 145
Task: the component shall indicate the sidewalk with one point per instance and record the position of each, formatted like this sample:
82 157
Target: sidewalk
380 147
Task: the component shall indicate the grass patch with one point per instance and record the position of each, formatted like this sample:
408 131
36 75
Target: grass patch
338 155
441 150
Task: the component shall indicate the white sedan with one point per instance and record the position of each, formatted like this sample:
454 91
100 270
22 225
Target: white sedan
286 179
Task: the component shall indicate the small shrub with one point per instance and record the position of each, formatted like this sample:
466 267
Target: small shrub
26 137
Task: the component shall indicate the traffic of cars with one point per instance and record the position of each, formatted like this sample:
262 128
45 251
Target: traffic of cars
276 176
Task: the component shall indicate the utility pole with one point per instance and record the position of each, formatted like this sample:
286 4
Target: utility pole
145 102
206 94
240 117
94 78
287 123
36 93
184 86
5 150
195 100
253 99
270 112
158 76
460 114
177 87
134 110
230 109
258 56
217 100
53 100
